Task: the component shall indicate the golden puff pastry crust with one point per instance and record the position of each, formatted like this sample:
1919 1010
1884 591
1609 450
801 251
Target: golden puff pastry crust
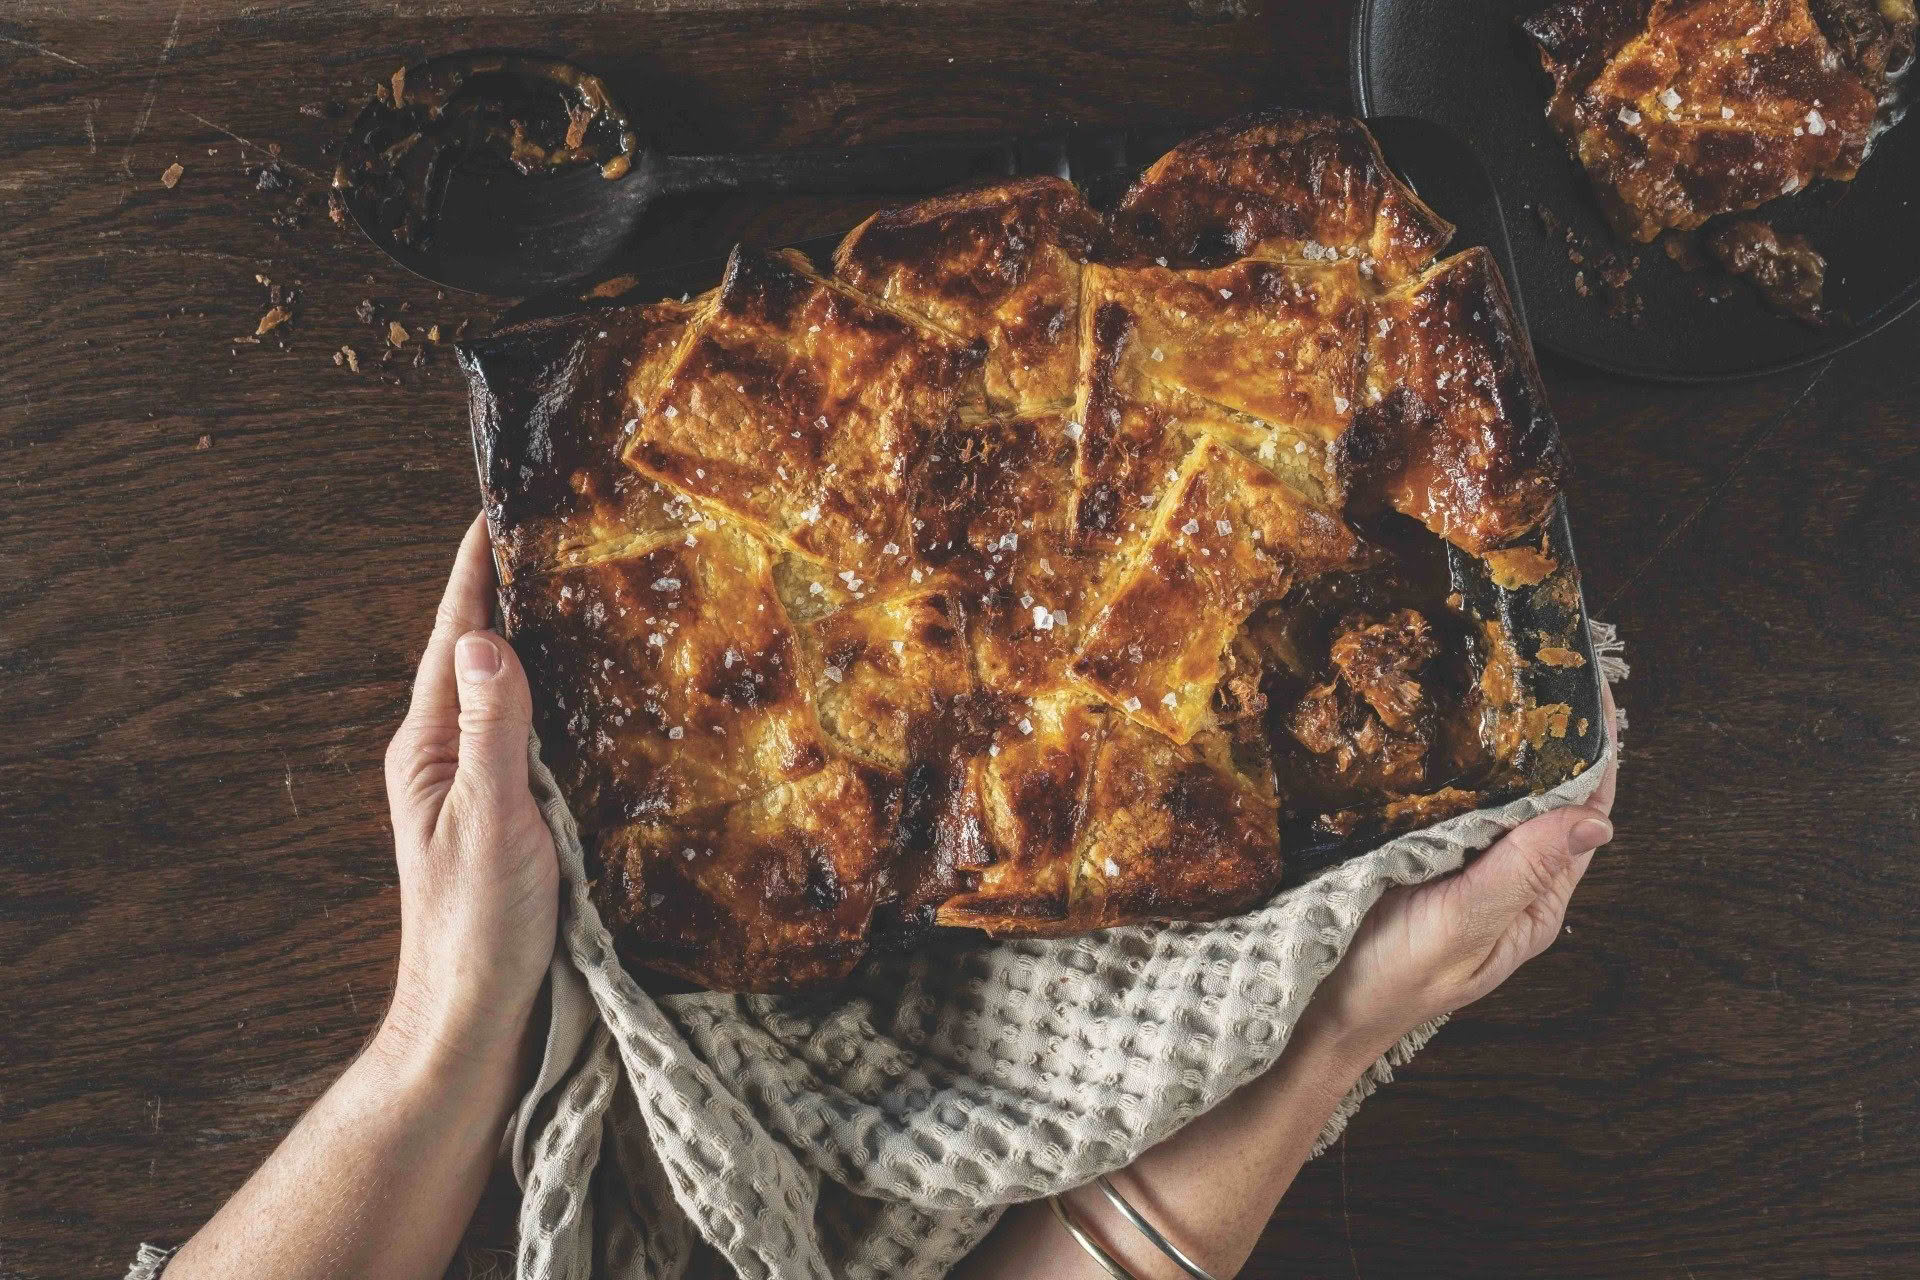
1287 184
977 584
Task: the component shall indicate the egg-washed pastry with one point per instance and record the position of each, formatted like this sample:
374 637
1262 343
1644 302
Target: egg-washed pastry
1683 109
1032 572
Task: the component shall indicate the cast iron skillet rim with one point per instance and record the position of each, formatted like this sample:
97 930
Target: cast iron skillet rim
1360 85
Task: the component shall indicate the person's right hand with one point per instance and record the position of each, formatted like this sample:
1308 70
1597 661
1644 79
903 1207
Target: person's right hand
1431 949
479 885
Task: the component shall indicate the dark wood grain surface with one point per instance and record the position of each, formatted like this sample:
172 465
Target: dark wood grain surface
220 559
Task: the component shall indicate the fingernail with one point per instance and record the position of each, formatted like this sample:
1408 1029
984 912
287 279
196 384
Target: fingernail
1587 835
476 659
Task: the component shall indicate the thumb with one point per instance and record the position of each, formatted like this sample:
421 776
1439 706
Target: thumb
496 715
1527 864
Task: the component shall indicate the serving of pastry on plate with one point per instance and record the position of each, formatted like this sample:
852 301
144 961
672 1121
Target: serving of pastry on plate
1032 570
1681 110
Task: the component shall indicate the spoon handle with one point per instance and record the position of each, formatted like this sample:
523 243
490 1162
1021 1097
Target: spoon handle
903 168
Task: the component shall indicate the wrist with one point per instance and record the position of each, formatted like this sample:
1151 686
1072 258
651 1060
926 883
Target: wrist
436 1027
1341 1049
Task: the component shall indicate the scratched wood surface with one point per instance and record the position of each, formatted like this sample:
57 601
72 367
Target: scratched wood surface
220 559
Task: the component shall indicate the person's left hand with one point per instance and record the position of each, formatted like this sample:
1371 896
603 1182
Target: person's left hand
1428 950
479 885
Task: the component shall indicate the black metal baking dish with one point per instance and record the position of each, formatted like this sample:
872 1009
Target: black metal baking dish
530 365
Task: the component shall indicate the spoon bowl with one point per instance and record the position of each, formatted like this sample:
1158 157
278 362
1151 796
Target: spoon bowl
516 174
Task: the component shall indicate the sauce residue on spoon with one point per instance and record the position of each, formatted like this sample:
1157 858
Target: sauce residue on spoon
530 116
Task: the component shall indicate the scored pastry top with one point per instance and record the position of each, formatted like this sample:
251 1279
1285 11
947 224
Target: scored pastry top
1030 571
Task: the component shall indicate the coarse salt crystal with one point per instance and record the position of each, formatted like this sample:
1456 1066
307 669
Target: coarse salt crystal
1191 526
1816 123
676 733
1042 619
666 584
1340 404
1224 527
1169 701
1668 98
1059 617
1131 704
899 647
1111 867
1226 293
835 674
1026 725
1158 354
670 413
1628 116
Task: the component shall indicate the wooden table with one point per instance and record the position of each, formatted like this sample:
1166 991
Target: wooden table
220 560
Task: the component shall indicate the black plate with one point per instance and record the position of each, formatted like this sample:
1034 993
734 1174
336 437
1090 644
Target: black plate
533 344
1465 64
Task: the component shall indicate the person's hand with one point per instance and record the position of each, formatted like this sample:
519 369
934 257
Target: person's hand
1431 949
479 885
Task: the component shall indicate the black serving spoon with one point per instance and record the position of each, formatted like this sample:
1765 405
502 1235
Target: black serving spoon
457 180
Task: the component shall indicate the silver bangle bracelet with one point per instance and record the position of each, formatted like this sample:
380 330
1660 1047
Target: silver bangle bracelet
1147 1229
1106 1260
1137 1221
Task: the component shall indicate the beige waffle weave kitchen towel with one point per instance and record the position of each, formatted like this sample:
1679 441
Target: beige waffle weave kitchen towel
880 1130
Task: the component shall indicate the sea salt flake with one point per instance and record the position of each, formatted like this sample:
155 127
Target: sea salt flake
1816 123
835 674
1226 293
